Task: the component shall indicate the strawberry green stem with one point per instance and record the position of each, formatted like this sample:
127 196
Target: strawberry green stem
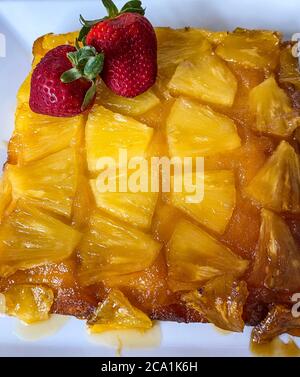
87 64
112 10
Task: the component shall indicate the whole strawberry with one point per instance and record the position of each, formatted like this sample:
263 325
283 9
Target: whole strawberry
63 83
129 44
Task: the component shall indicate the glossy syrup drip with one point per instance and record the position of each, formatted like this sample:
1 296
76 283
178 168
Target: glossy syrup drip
2 304
122 339
276 347
40 330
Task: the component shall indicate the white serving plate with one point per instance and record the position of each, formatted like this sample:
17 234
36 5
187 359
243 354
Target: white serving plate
22 22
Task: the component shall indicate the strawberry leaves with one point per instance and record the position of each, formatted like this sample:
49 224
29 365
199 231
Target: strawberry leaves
71 75
112 10
93 67
133 6
87 64
90 94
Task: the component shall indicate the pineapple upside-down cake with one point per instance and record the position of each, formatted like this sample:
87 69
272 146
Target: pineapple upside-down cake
123 259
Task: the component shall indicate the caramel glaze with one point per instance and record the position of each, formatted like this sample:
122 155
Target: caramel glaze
276 347
241 234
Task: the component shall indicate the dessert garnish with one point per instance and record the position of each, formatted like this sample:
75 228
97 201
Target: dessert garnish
128 41
64 82
121 46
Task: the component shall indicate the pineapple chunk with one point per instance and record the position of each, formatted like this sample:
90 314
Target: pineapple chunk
83 203
174 46
214 37
50 41
30 238
24 91
221 302
195 257
196 130
277 259
289 68
111 248
297 135
279 320
216 208
29 303
128 106
134 208
50 183
38 51
272 109
206 78
277 184
164 221
149 286
117 313
108 132
38 135
251 48
37 48
5 195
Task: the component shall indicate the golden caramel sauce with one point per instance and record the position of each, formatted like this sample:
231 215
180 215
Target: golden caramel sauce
2 304
148 289
221 331
40 330
128 339
276 347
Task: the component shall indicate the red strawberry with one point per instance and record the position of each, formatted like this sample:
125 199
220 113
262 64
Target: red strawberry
63 83
129 44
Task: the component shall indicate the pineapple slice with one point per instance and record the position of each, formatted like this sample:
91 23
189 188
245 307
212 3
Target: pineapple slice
29 303
221 301
272 109
117 313
83 203
134 208
289 69
297 135
36 136
278 321
29 238
108 132
257 49
277 184
196 130
174 46
24 91
111 248
214 37
38 51
164 221
195 257
50 41
5 195
50 183
148 286
37 48
206 78
216 208
277 259
128 106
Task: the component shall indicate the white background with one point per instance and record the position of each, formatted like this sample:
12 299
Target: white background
22 22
